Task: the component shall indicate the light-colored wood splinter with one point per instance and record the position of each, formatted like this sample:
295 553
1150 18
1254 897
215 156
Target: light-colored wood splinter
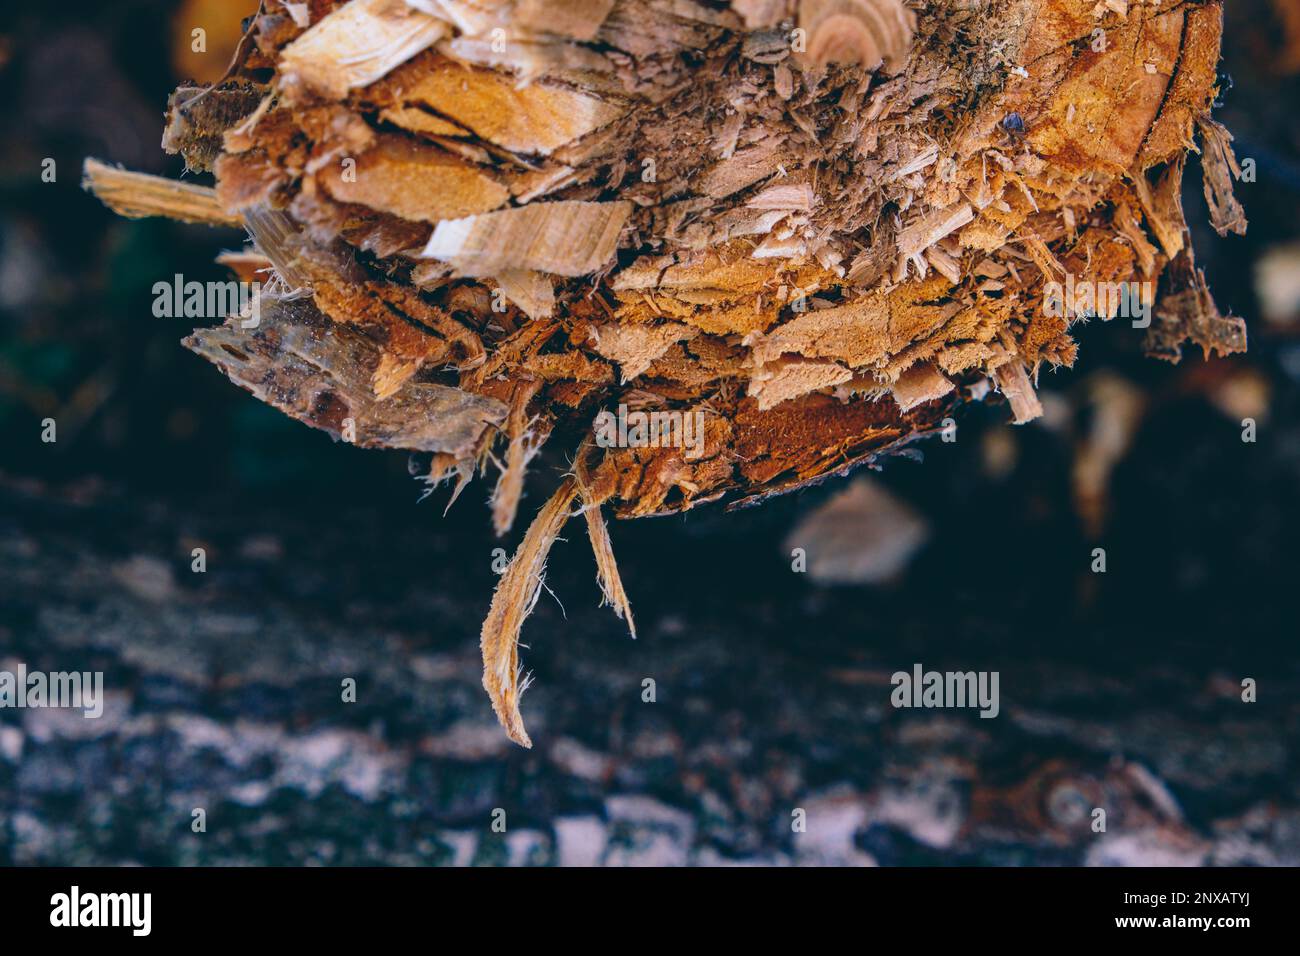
140 195
531 291
414 181
516 596
566 238
1014 383
919 384
607 576
355 45
537 118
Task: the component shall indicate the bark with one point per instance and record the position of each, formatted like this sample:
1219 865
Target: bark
223 693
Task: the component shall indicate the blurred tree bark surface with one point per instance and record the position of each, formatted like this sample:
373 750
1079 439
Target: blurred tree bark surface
224 692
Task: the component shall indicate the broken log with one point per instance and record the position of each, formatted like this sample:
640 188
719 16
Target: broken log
822 226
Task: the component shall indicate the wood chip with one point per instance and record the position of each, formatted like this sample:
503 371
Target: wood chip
355 45
920 384
787 378
1014 383
863 535
635 347
933 226
565 238
537 118
531 291
414 181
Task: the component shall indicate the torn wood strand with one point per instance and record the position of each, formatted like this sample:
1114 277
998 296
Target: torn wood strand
139 195
515 597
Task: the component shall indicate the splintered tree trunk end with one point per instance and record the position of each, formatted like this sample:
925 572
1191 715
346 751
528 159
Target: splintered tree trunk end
771 240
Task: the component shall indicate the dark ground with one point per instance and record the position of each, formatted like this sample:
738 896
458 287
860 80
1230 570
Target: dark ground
1119 690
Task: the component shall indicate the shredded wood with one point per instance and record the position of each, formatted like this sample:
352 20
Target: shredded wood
566 238
866 32
1015 384
532 291
795 235
636 347
607 576
320 373
523 444
537 118
919 384
415 182
278 239
139 195
1226 214
516 596
355 45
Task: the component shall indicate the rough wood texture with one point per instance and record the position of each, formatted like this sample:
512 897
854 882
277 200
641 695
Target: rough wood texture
821 225
138 195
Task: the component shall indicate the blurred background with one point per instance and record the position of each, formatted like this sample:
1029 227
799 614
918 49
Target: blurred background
1119 690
